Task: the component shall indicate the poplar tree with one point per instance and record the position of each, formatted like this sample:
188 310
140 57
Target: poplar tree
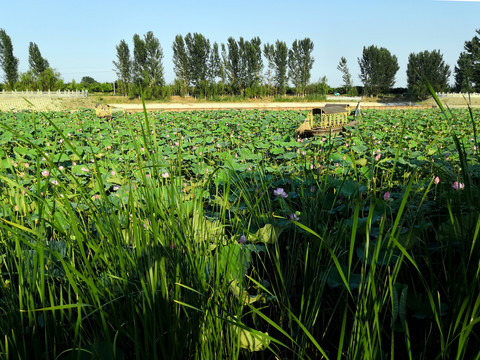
280 59
123 65
243 63
294 66
139 59
198 53
153 60
300 63
215 68
8 62
346 76
180 63
268 52
307 60
253 62
225 73
147 61
233 65
38 64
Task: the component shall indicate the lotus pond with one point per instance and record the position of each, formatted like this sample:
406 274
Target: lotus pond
220 234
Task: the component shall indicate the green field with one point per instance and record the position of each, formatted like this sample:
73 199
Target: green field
220 234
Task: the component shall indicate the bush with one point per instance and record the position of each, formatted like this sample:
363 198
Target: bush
148 93
352 91
133 91
166 92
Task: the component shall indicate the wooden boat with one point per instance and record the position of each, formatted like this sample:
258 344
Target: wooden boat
331 119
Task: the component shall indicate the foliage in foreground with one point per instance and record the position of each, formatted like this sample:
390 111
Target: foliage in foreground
219 235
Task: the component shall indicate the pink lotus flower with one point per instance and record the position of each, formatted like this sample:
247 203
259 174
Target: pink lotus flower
458 186
280 192
437 180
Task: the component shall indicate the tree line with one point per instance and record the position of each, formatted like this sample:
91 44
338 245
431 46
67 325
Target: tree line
245 67
205 69
40 75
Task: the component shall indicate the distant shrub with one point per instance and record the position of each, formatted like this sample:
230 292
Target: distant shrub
133 91
148 93
352 91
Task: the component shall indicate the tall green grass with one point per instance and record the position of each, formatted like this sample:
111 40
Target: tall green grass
224 268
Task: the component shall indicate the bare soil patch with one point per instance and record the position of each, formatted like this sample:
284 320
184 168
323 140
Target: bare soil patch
13 104
121 103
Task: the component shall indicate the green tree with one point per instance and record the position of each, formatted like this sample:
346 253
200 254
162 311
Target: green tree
464 74
294 66
154 61
90 84
253 62
180 64
428 66
8 62
72 86
321 87
242 64
215 68
198 53
38 64
147 61
224 63
123 66
48 80
300 63
139 60
268 52
467 71
27 81
88 80
245 65
280 58
346 76
233 65
59 84
377 70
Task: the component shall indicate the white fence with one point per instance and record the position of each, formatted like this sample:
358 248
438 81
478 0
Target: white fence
345 98
54 94
460 95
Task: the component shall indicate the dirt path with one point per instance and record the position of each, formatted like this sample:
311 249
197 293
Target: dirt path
258 106
219 106
57 104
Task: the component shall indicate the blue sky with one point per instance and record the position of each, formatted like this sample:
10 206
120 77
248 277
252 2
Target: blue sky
79 38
